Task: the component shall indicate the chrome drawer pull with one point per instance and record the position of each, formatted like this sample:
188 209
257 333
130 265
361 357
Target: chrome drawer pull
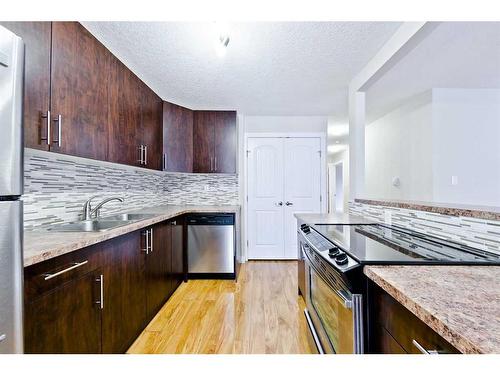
49 276
421 349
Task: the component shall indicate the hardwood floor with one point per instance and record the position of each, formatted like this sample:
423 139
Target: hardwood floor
261 313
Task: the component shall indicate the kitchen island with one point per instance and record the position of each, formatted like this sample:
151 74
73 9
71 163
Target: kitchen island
460 303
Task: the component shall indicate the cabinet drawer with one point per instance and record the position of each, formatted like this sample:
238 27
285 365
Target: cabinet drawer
405 327
385 343
44 277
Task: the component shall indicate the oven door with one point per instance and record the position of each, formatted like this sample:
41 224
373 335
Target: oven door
334 315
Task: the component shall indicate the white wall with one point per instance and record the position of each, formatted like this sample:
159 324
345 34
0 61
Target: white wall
467 127
399 144
286 124
432 137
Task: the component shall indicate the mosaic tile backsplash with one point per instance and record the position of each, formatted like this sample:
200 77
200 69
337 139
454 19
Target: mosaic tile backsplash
56 187
478 233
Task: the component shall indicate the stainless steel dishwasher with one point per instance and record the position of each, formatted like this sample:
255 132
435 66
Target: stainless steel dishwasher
211 246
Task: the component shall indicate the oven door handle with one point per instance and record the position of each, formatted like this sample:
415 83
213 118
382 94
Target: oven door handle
345 299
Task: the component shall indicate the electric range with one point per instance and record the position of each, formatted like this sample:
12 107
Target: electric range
348 246
337 292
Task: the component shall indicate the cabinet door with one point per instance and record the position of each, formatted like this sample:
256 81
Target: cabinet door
225 142
152 129
124 115
158 268
67 319
36 37
79 92
177 138
203 141
124 313
177 253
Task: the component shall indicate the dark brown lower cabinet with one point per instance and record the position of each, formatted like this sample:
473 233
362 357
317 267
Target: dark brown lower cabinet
158 267
124 312
177 253
63 304
66 320
395 330
164 264
99 299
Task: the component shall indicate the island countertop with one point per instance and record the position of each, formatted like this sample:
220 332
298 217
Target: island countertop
43 244
460 303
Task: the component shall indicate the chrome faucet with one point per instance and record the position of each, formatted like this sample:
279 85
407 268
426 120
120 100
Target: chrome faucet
89 213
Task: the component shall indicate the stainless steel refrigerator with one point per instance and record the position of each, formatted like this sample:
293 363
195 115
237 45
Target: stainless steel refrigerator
11 189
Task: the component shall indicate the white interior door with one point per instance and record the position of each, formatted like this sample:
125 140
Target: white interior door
265 192
302 185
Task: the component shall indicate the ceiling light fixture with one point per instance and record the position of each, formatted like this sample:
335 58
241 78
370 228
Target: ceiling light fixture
222 40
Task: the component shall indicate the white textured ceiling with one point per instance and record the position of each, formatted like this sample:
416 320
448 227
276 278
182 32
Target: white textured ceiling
453 55
278 68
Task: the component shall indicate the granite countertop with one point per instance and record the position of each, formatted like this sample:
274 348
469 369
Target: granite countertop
333 218
40 245
460 303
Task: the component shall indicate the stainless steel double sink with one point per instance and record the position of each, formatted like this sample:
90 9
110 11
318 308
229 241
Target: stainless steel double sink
101 224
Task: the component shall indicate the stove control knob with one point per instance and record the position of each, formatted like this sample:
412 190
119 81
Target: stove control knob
333 252
302 226
306 229
341 259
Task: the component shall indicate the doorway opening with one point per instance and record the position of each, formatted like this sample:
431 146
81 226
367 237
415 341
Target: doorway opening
336 187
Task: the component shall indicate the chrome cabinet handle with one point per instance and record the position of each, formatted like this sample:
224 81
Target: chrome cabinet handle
173 223
48 276
59 130
140 154
145 155
289 203
215 169
211 164
100 279
49 122
146 234
421 349
151 240
3 336
164 162
279 204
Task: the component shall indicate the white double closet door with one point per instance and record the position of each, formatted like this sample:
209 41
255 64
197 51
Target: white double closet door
283 178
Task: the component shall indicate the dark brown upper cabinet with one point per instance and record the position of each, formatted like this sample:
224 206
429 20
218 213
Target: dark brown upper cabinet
37 39
203 141
124 116
225 142
135 120
152 129
79 92
177 138
214 142
93 105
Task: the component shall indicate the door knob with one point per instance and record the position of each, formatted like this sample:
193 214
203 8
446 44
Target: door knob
289 203
279 204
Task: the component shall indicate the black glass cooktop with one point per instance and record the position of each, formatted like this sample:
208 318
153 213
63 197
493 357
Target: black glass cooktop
378 244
